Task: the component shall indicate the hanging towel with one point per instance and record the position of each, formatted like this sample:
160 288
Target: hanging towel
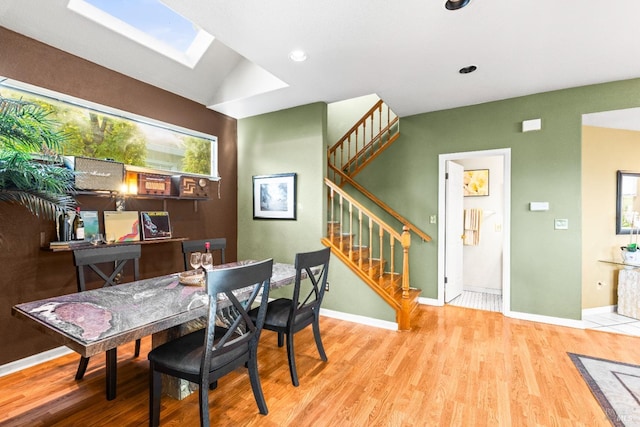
472 224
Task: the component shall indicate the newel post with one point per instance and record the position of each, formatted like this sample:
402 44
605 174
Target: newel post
406 242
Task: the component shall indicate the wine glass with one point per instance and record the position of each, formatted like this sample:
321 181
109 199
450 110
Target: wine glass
207 261
195 260
97 239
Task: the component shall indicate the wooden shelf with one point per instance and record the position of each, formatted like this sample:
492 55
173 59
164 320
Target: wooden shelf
113 194
87 245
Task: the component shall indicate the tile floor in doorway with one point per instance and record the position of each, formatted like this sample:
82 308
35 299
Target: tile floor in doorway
479 301
612 322
607 322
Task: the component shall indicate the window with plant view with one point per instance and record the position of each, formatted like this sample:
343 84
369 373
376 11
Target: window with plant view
103 133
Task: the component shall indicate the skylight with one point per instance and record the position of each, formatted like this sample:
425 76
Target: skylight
150 23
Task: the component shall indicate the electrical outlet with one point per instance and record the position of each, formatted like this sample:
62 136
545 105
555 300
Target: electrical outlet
432 219
326 287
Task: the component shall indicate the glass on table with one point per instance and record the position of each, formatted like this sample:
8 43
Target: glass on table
195 260
97 239
207 261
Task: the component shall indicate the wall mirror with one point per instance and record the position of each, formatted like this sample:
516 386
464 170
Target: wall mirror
628 202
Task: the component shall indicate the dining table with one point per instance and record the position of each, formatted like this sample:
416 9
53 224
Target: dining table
99 320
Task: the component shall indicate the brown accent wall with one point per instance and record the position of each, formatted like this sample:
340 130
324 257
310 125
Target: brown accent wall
28 272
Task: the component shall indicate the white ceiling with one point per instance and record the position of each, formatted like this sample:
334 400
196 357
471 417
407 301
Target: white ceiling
407 52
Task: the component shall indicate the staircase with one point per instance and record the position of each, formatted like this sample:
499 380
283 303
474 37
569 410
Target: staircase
371 248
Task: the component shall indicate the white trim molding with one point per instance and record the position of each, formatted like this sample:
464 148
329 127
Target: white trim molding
30 361
384 324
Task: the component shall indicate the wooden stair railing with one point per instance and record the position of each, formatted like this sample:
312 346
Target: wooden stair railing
404 221
366 140
355 235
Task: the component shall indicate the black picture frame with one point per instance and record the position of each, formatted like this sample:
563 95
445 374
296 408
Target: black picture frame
627 197
274 196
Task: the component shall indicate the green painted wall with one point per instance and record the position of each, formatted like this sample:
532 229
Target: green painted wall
285 141
294 140
546 166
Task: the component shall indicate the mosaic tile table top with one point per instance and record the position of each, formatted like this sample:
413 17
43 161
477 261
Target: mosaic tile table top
94 321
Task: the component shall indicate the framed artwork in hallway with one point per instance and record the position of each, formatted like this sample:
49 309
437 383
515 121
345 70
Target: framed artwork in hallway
274 196
476 182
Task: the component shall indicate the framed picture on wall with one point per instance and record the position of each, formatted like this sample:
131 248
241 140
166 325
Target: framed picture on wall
476 182
274 196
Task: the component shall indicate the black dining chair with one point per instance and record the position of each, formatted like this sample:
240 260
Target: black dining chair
115 257
217 244
286 316
206 355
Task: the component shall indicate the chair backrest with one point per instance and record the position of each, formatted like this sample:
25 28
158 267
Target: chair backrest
118 255
189 246
306 301
241 334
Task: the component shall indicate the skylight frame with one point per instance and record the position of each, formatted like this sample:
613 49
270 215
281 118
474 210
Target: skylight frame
189 58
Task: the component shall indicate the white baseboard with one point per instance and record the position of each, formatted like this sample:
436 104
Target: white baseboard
384 324
36 359
523 316
559 321
599 310
430 301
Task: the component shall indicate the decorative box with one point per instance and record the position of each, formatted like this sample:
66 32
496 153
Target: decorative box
154 184
191 186
95 174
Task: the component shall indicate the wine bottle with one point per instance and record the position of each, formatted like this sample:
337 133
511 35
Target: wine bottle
78 226
207 258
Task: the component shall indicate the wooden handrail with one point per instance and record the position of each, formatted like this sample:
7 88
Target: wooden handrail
403 238
424 236
361 208
359 123
368 149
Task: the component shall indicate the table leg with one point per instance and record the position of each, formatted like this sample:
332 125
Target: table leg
112 367
172 386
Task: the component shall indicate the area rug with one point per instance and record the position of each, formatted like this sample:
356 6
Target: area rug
615 385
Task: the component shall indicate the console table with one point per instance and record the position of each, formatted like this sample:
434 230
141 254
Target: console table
629 292
628 289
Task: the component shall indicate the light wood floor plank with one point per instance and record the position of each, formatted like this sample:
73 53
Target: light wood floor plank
457 367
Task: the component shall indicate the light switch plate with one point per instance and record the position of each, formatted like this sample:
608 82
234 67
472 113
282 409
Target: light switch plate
561 224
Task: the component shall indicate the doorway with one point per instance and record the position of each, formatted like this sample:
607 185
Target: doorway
485 263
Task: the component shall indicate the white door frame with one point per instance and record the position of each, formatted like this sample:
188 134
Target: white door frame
506 223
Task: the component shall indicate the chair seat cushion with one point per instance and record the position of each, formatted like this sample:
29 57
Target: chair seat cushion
277 312
185 353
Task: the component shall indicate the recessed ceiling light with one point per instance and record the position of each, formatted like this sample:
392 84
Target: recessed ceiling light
456 4
297 56
467 70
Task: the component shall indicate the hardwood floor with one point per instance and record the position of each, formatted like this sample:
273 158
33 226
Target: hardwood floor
458 367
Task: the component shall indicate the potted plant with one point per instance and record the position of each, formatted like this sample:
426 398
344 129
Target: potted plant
31 170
